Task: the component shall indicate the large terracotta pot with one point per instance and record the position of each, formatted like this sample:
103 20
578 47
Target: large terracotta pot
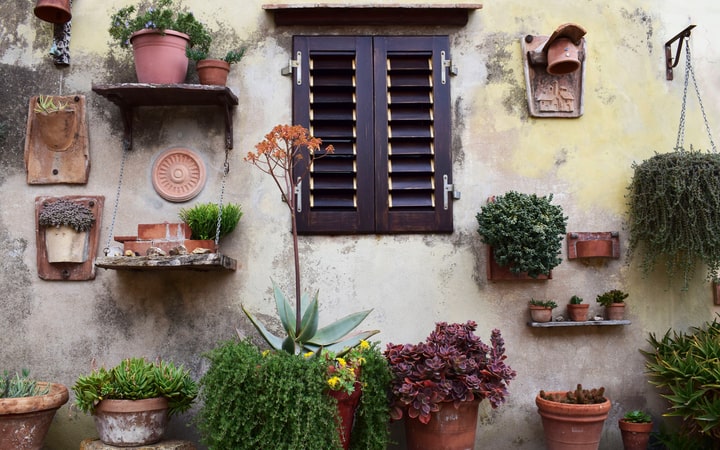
160 57
213 71
347 405
449 429
572 427
53 11
131 423
578 312
635 436
540 313
25 421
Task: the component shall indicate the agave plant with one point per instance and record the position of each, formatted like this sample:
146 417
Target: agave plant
335 337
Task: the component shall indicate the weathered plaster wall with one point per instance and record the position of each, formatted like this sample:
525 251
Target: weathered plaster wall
57 329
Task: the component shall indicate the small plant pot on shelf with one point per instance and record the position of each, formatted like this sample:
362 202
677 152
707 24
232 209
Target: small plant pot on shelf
213 71
540 313
635 436
160 57
578 312
615 311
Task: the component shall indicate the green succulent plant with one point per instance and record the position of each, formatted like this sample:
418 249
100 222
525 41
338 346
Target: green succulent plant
62 212
575 300
544 303
637 416
46 104
613 296
20 385
198 54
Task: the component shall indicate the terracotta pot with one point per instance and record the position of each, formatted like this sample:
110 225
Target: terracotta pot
65 244
635 436
213 71
131 423
347 405
57 129
578 312
572 427
540 313
25 421
160 58
616 311
563 57
53 11
449 429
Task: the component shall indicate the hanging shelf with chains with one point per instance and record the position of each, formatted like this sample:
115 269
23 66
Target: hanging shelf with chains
128 96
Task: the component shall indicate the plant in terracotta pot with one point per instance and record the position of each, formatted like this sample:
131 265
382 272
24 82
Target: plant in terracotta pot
27 408
66 226
202 219
635 427
159 34
214 71
614 303
573 420
132 402
440 382
56 122
541 310
524 232
577 310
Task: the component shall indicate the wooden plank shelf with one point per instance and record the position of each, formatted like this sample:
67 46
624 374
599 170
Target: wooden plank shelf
205 263
587 323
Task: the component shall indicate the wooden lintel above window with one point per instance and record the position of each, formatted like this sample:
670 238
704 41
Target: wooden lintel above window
344 14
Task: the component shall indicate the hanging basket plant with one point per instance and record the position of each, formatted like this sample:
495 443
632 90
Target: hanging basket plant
674 213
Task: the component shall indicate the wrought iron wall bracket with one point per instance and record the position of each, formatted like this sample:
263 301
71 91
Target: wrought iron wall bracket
669 63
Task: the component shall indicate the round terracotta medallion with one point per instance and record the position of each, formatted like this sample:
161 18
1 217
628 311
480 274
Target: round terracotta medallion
178 174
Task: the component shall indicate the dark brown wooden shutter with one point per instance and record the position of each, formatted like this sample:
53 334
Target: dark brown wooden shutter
334 102
412 135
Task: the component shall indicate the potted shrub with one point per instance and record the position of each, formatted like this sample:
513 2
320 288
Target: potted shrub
213 71
682 237
541 310
27 408
294 401
524 232
202 219
440 382
683 366
577 310
57 122
159 35
614 303
132 402
66 226
635 427
573 420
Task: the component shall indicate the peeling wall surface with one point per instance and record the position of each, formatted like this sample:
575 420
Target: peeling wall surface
59 329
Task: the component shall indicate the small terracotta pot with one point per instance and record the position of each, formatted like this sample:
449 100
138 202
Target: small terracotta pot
131 423
53 11
635 436
213 71
540 313
578 312
160 57
616 311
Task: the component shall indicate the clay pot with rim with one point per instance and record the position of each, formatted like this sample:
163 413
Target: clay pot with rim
53 11
635 435
570 426
24 421
540 313
131 423
449 428
615 311
578 312
213 71
160 57
57 129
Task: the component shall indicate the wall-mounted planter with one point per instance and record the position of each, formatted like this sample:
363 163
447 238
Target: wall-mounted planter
64 244
496 272
603 244
56 144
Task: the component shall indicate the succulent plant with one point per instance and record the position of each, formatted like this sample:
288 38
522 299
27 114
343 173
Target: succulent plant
637 416
579 396
64 212
20 385
613 296
544 303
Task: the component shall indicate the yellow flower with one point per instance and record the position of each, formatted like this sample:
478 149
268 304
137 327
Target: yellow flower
341 362
364 345
265 353
308 354
333 382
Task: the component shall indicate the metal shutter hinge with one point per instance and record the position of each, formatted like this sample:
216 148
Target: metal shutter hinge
446 63
298 196
448 189
296 65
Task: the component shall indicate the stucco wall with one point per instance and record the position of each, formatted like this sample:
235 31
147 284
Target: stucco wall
57 329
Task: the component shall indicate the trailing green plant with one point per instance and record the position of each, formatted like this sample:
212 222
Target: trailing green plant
46 104
524 230
198 54
674 213
62 212
684 366
137 379
544 303
20 385
160 15
272 399
579 396
575 300
637 416
202 219
612 296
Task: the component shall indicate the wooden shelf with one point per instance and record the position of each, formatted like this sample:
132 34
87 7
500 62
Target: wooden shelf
205 263
587 323
128 96
396 14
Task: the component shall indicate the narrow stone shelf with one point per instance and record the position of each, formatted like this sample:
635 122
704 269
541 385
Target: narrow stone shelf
204 263
588 323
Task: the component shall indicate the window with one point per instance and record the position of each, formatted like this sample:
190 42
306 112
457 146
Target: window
384 104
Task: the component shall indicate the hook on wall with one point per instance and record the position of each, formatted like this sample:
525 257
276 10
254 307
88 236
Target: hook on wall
669 64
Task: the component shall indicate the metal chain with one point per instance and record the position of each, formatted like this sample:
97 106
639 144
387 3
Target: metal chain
226 170
126 150
690 73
